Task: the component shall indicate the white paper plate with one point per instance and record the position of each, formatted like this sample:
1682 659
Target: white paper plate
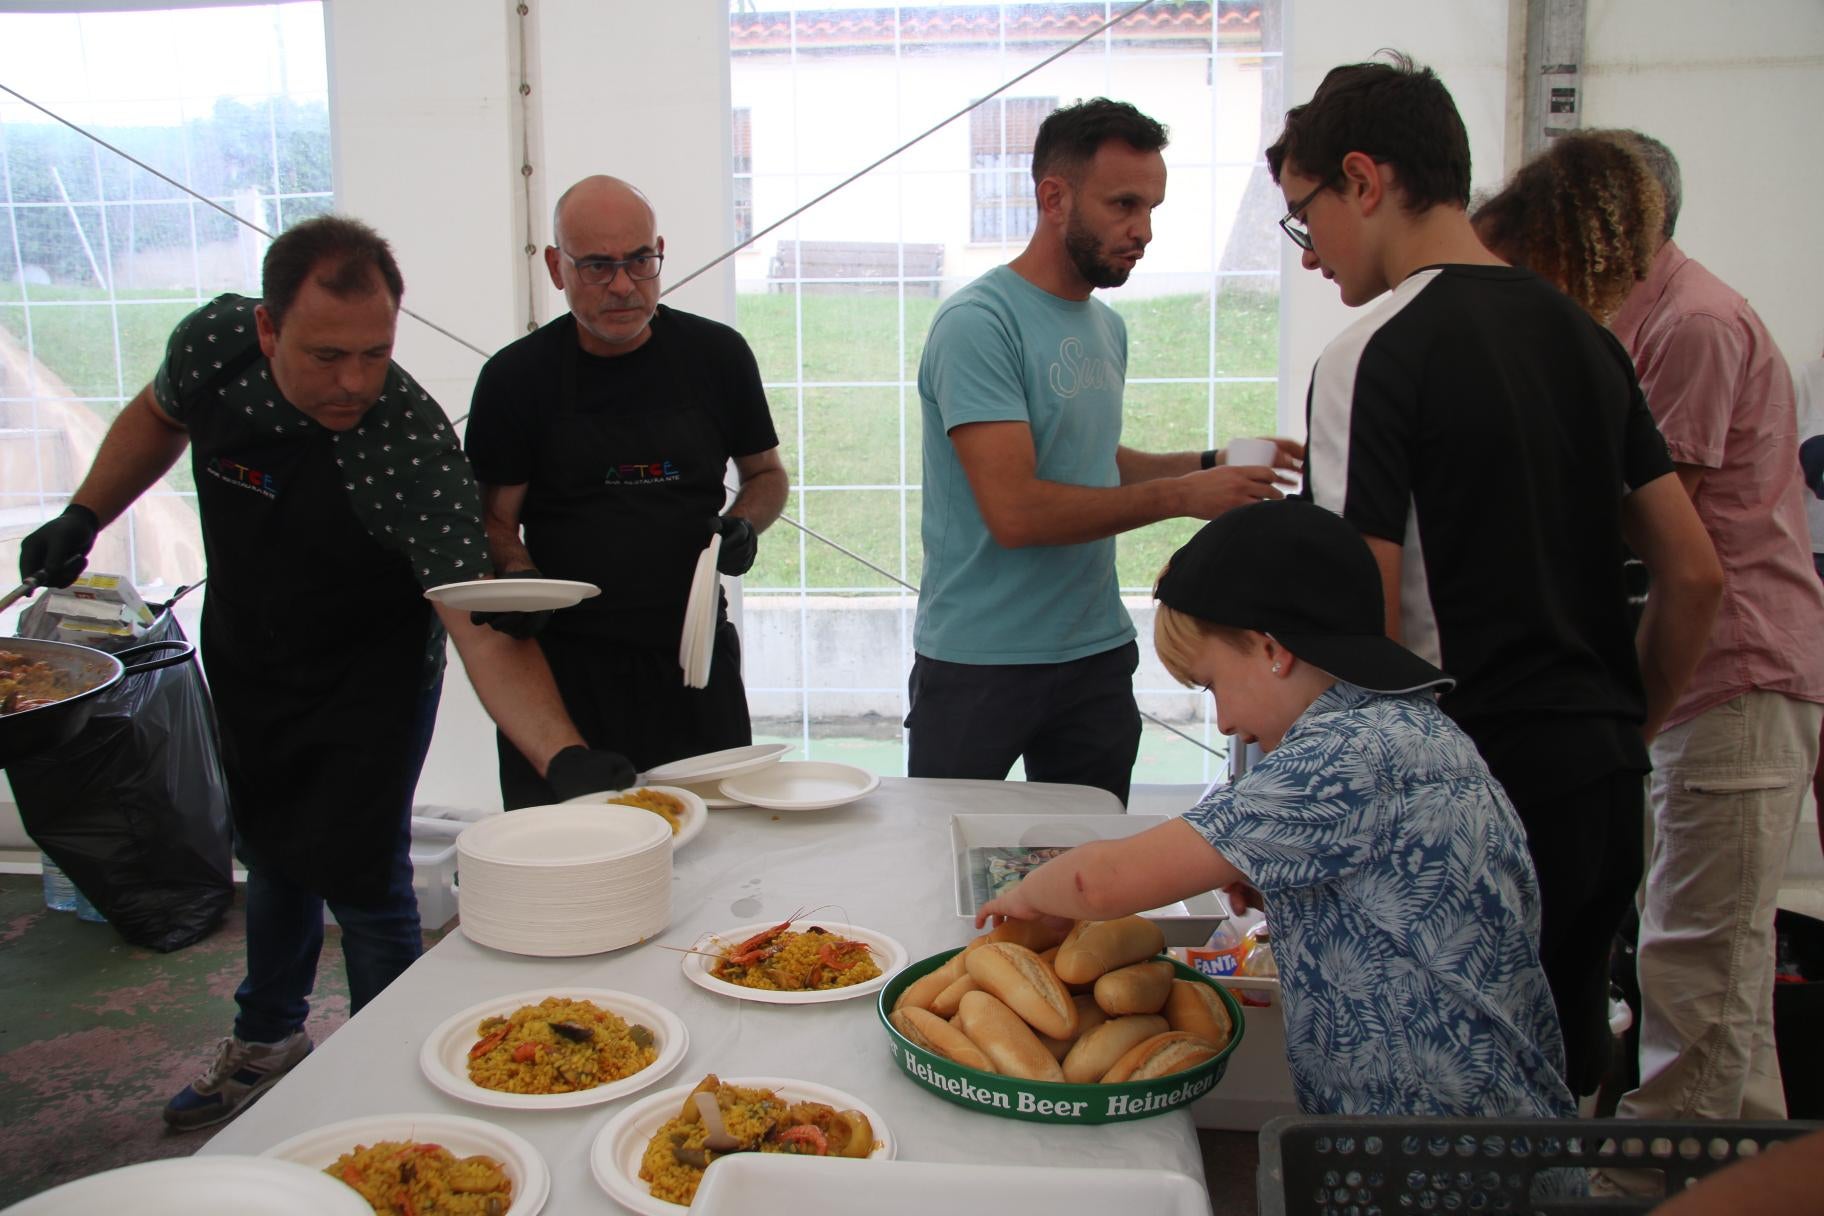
694 644
696 810
462 1136
513 594
703 624
687 631
614 1158
564 835
711 794
743 1183
802 785
210 1185
889 955
445 1055
716 765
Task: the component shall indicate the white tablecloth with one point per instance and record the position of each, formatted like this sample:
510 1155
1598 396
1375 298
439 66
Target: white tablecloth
883 863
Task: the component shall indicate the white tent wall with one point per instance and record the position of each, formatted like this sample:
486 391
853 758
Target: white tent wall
428 135
1736 92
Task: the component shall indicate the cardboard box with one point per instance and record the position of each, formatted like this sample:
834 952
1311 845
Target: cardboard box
111 589
102 611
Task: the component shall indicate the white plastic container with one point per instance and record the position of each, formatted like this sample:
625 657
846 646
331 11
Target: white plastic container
744 1183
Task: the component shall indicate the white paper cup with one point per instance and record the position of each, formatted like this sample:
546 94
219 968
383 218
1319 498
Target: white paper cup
1244 452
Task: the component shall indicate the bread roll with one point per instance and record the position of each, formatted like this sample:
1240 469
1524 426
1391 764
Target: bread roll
903 1023
1198 1009
922 991
1095 947
943 1038
1135 988
1015 975
944 1003
1006 1039
1161 1055
1089 1016
1098 1051
1035 935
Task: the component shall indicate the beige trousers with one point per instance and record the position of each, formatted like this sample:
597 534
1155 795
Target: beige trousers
1725 797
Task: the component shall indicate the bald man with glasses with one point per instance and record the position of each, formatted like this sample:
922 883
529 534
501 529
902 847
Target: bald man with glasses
602 442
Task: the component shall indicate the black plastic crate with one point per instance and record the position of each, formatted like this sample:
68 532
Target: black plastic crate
1331 1166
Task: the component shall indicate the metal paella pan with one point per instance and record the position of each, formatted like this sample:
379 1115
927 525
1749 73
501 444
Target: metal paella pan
81 677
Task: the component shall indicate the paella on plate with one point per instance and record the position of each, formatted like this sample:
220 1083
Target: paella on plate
559 1045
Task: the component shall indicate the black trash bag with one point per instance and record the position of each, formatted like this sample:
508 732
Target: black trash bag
135 808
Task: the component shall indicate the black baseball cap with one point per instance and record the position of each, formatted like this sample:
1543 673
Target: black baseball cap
1304 575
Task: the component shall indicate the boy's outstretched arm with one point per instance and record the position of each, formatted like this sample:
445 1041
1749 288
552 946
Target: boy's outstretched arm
1109 878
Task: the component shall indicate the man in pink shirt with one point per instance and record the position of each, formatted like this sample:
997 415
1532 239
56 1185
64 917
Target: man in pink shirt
1732 764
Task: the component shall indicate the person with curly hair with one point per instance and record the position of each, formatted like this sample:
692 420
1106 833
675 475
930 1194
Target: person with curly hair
1584 215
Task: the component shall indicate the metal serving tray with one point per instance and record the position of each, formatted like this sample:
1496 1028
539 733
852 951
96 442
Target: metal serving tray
975 840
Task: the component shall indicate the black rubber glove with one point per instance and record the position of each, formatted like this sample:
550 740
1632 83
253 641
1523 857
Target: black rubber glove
57 552
740 545
576 771
520 625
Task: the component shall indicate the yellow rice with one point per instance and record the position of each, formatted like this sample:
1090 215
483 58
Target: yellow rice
406 1178
755 1117
670 809
798 964
557 1063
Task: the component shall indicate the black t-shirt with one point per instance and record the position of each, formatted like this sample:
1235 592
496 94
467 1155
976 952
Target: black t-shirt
624 481
1483 421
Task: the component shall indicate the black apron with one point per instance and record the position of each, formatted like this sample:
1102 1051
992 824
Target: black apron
614 659
315 642
580 524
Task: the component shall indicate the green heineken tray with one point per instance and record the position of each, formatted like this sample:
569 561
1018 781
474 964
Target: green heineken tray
1052 1101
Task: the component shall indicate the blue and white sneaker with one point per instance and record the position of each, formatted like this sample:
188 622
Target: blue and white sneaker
242 1071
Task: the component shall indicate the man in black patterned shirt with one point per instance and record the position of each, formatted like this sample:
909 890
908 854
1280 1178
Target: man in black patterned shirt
332 493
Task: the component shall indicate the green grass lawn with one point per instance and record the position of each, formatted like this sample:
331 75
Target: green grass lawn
841 372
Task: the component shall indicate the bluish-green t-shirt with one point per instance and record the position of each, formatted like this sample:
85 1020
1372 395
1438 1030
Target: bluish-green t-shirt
1003 350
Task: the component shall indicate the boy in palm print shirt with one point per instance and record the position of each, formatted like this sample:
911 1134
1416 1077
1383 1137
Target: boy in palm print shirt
1404 908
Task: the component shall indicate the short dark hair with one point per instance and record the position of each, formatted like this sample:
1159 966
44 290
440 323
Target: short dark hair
353 253
1069 136
1396 112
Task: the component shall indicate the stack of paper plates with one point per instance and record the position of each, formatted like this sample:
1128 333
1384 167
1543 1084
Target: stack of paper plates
564 880
697 646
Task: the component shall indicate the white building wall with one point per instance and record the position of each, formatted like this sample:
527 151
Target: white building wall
922 195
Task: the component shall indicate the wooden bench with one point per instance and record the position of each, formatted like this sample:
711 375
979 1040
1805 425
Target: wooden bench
841 267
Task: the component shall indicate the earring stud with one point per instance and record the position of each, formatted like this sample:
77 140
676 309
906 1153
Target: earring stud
1276 669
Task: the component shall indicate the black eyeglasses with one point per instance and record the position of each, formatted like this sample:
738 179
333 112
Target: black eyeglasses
1293 221
597 271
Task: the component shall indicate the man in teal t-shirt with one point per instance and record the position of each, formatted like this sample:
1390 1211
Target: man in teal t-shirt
1023 646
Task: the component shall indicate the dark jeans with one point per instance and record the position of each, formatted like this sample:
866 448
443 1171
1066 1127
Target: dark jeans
285 930
1074 722
1587 850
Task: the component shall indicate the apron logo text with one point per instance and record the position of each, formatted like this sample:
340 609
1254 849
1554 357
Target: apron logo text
643 474
237 474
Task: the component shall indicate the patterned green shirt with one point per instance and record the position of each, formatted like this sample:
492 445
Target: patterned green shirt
403 467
